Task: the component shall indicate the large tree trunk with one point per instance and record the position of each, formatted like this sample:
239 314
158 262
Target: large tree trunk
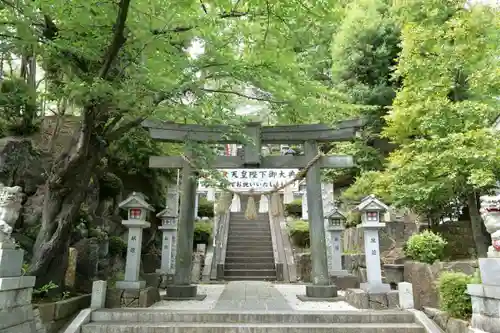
480 240
65 192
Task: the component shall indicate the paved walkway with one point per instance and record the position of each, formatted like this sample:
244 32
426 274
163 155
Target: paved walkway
251 296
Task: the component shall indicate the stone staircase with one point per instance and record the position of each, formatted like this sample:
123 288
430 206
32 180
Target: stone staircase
168 321
249 251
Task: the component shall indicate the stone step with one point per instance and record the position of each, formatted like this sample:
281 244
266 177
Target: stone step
246 254
251 265
249 242
113 327
251 278
249 272
154 315
241 237
248 225
250 230
249 248
248 260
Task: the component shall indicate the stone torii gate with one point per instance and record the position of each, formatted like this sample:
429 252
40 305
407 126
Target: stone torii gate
308 135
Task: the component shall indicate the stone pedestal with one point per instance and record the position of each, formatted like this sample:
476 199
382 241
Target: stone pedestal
335 249
168 248
133 261
372 254
16 311
486 297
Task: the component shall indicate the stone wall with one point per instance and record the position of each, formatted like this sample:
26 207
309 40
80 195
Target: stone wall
460 240
395 234
424 277
445 322
51 317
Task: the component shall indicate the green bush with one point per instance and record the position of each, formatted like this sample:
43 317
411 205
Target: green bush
425 247
294 208
205 208
453 297
299 233
117 246
202 232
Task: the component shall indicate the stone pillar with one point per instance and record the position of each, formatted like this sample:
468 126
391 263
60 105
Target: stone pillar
305 210
182 287
16 311
137 213
328 207
288 194
371 210
335 267
70 276
486 296
236 204
169 232
263 204
321 286
196 204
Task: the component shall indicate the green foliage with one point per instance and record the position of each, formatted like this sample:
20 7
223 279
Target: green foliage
205 208
110 185
202 232
18 108
44 290
299 233
452 287
117 246
425 247
294 208
98 233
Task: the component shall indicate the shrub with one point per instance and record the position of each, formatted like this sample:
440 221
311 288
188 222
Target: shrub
202 232
299 233
454 300
117 246
425 247
205 208
294 208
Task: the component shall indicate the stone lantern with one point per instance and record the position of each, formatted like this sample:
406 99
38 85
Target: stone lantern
336 225
137 213
372 210
169 240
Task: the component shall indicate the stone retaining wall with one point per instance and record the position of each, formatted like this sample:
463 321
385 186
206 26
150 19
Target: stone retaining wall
445 322
52 317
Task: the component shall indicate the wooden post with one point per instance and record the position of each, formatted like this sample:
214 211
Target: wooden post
182 287
321 286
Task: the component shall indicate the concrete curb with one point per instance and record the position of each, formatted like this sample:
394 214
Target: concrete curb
422 319
81 319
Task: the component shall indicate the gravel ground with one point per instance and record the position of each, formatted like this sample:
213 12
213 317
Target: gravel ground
213 292
290 292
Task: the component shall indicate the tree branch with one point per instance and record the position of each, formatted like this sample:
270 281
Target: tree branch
217 91
118 38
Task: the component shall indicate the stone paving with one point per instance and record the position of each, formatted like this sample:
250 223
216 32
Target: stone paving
253 296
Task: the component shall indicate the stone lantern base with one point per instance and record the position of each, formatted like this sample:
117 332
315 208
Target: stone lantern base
485 297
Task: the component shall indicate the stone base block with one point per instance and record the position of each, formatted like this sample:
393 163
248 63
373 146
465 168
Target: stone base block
152 279
15 316
344 281
177 292
131 285
485 307
361 299
375 288
490 271
132 298
11 262
323 293
20 282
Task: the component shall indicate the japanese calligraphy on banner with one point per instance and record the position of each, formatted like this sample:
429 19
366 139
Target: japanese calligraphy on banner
258 179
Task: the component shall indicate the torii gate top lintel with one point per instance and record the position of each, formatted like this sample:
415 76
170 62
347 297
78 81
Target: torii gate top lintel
290 134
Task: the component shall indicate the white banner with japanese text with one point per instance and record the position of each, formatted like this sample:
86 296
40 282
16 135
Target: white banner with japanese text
256 179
